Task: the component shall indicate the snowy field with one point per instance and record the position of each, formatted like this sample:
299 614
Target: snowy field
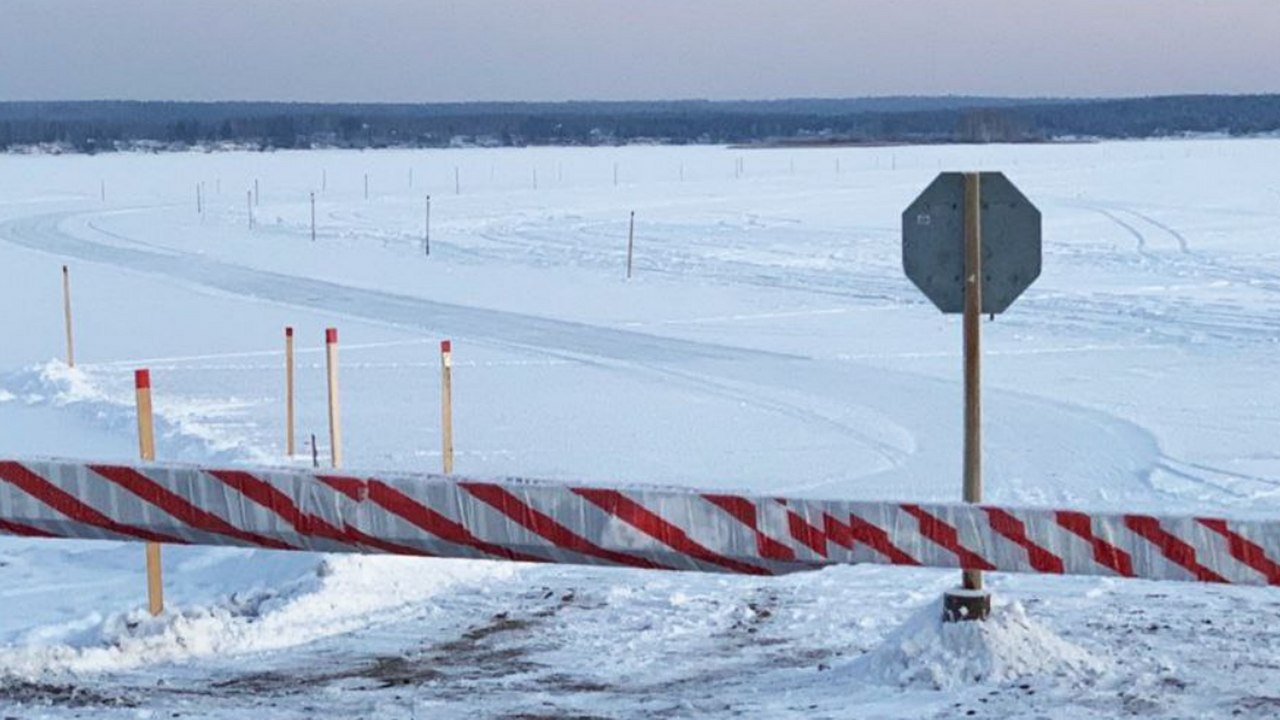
768 342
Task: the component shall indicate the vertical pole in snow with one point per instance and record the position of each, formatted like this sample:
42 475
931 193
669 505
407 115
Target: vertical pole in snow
288 391
313 217
971 602
103 189
631 241
147 450
66 314
535 178
457 181
324 180
199 204
256 198
426 228
248 200
366 186
446 405
615 174
335 419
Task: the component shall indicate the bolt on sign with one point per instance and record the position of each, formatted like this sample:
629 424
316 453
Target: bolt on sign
933 242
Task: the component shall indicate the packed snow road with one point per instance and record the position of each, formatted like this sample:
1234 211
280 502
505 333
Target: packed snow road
768 342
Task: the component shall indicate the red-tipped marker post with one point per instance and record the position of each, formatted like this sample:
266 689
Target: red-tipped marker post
446 405
335 421
288 392
147 451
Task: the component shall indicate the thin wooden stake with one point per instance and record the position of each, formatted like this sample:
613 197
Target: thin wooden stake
199 204
335 419
446 405
288 393
147 450
256 196
457 181
313 217
66 313
972 352
426 228
631 241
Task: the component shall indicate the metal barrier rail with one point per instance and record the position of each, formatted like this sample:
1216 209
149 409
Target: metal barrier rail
651 528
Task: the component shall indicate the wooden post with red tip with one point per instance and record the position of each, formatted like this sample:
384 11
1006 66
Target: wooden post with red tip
288 384
66 313
147 450
335 419
446 404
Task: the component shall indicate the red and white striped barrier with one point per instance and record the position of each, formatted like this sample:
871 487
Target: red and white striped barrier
653 528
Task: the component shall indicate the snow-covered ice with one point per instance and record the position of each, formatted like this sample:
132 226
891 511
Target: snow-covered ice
768 342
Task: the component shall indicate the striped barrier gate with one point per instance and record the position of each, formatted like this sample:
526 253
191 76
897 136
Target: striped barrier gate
651 528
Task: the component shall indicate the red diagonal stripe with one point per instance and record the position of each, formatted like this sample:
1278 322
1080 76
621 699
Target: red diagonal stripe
13 528
744 511
180 508
270 497
878 540
639 517
940 533
545 526
55 497
1170 546
433 522
1104 553
808 535
1244 550
1013 529
837 532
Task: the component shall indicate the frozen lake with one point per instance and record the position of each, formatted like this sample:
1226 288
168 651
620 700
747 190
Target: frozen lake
768 341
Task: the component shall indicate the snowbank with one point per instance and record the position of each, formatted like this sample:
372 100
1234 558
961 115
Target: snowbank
926 653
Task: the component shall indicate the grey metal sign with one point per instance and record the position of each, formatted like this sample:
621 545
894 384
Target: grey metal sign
933 242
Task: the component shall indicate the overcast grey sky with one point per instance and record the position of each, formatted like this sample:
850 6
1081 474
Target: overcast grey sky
433 50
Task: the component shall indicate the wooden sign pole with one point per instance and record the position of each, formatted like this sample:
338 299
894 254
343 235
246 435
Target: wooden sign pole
147 450
335 420
288 394
66 314
631 240
971 602
446 404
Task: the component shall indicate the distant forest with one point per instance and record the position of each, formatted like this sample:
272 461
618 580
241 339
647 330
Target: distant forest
105 126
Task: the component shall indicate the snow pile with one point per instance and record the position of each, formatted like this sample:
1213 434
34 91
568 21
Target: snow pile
340 594
193 430
926 653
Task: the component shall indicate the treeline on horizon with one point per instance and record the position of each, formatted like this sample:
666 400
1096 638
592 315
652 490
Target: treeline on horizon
103 126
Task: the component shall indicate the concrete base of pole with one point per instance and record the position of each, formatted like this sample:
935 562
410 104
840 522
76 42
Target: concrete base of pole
960 605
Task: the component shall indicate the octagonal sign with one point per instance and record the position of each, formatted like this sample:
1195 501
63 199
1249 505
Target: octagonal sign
933 242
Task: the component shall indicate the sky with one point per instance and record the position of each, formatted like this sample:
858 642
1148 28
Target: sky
442 50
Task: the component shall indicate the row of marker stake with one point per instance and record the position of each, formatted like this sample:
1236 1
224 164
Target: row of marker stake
146 423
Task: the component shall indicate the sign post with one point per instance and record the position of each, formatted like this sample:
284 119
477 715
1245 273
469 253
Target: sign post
971 243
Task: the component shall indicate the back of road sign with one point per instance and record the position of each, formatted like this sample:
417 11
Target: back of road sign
933 242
